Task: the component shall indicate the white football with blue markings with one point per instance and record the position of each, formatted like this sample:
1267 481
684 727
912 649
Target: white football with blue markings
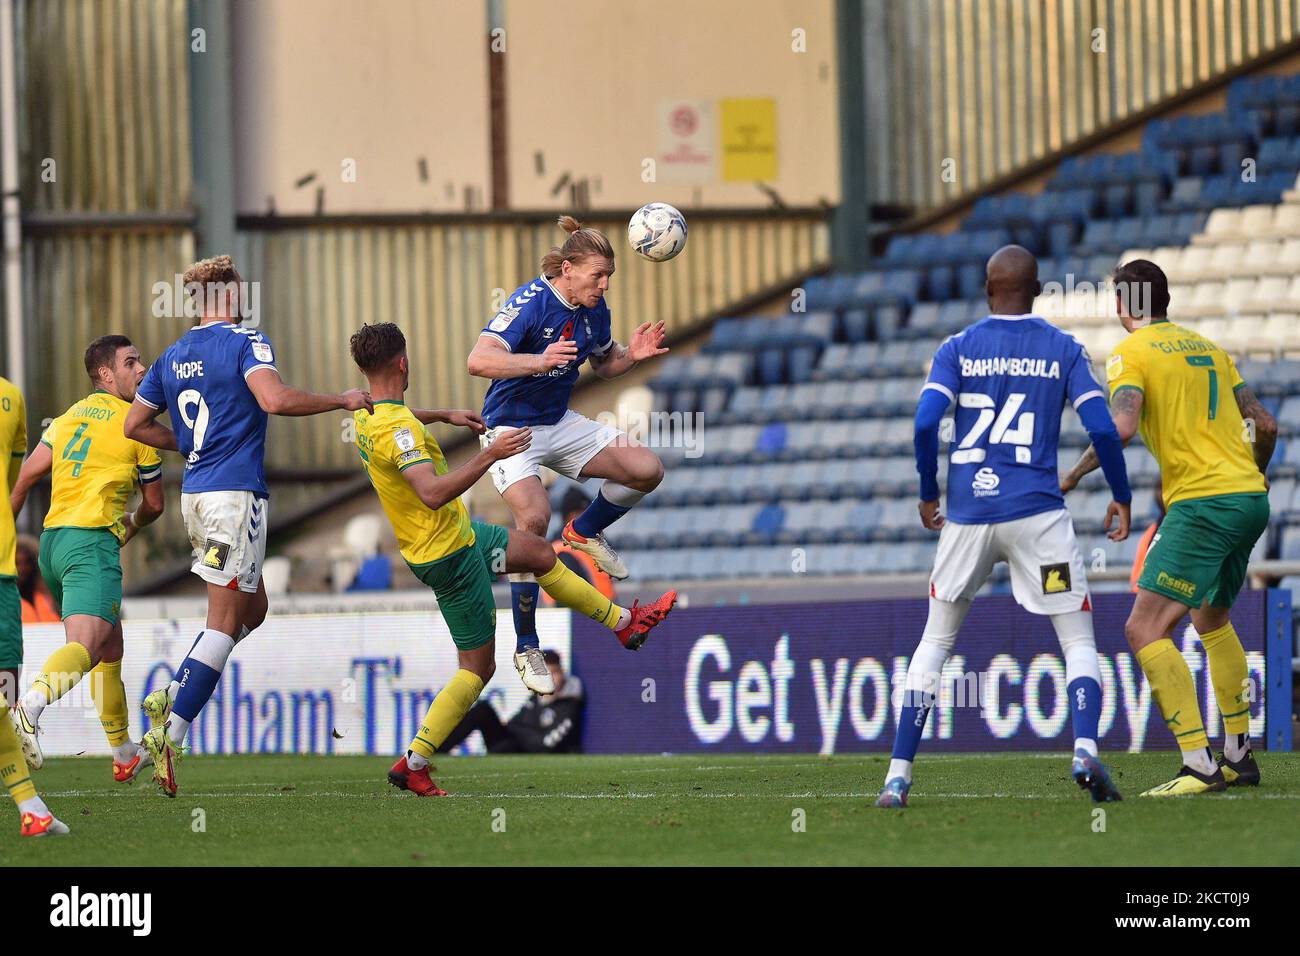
657 232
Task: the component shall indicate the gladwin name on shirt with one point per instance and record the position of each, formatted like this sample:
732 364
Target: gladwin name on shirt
1024 367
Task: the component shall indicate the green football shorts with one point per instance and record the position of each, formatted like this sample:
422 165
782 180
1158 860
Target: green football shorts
11 625
83 568
1202 549
463 582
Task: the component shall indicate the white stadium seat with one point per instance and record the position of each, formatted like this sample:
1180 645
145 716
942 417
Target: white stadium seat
1237 292
1286 222
1242 332
1223 260
1206 299
1288 259
1267 292
1256 222
1260 257
1222 226
1189 264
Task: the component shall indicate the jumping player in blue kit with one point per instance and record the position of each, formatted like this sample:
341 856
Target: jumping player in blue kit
532 350
217 383
1010 376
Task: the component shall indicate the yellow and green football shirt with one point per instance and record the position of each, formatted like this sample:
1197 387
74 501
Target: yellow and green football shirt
13 446
390 441
95 465
1190 420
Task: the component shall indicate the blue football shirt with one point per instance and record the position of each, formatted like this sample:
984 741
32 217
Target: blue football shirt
220 428
534 316
1010 377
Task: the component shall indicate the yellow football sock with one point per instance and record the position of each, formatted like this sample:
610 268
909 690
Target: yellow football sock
13 768
109 694
1175 694
62 671
1230 676
573 592
448 708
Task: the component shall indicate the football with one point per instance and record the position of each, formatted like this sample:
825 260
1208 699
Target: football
657 232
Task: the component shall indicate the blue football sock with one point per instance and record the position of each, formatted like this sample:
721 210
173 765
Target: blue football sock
600 514
198 676
1085 707
911 723
523 604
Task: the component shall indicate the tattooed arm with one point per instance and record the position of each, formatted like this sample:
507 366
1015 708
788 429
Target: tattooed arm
1263 425
1126 411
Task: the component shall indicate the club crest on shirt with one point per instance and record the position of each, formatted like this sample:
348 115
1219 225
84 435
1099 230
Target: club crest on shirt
404 439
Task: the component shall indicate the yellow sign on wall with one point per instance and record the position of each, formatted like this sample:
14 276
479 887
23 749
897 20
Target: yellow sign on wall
748 129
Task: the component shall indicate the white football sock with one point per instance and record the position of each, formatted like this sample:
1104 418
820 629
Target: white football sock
1087 744
125 753
624 620
416 761
35 806
899 768
1200 760
213 649
34 703
1235 746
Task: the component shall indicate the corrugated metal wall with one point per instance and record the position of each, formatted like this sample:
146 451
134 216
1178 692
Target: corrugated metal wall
989 85
104 103
104 93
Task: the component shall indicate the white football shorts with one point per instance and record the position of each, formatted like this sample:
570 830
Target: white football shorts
565 447
227 530
1047 573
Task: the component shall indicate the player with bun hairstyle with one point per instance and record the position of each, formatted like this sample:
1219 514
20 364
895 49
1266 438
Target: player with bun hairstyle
532 350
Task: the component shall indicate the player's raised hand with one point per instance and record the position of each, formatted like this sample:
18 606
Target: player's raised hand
464 418
930 516
510 443
647 341
355 399
558 353
1124 513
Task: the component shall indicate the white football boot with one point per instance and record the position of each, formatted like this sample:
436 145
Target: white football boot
534 672
598 549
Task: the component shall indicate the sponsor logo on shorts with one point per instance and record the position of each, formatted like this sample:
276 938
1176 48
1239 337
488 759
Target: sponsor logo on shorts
985 483
1181 585
215 554
1055 578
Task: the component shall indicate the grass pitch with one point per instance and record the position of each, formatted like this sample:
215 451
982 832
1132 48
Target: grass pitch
1012 809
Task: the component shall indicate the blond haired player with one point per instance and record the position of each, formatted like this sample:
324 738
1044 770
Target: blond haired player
532 350
95 469
453 555
1185 396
